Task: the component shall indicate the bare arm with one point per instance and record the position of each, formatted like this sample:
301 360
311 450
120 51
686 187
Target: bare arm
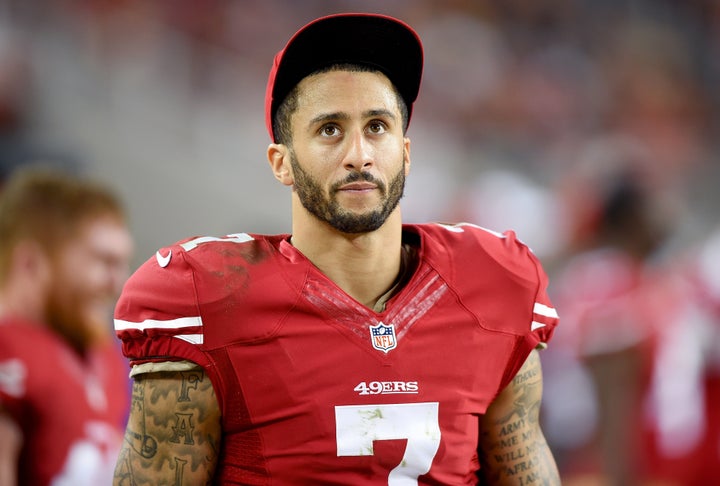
11 441
617 379
512 448
173 433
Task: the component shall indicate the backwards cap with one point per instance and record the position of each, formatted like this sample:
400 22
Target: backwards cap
374 40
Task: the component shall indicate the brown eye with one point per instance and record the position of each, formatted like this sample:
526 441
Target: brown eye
329 131
377 127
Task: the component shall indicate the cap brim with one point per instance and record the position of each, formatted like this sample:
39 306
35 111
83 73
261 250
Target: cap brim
378 41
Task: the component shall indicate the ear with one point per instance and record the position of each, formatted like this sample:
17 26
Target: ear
406 155
29 258
279 158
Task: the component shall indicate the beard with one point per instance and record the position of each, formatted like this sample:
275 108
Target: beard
82 325
328 209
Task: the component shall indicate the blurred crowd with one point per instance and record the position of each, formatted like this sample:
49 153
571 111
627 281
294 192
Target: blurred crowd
588 126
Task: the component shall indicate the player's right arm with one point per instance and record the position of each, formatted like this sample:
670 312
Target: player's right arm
173 432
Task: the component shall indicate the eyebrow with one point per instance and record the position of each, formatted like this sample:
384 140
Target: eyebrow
325 117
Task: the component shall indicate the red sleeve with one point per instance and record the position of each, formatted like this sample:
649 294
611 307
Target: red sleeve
13 385
501 281
498 264
157 316
545 317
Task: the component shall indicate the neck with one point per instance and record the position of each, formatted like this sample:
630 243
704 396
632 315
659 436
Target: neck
365 265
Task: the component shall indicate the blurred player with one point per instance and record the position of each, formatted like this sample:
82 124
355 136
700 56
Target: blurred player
637 325
64 250
357 350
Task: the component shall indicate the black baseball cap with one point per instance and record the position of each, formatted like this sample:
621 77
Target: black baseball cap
374 40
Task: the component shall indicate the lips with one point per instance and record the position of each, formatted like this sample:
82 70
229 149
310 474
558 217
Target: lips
358 186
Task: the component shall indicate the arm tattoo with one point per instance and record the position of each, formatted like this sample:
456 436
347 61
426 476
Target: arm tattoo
173 432
512 448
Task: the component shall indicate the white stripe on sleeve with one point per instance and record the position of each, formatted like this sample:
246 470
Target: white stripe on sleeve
543 310
179 323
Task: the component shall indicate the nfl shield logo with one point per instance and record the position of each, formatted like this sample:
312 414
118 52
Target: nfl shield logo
383 337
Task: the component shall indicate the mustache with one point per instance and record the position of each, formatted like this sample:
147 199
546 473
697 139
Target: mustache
358 176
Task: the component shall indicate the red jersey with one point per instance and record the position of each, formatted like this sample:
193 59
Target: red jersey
71 411
315 388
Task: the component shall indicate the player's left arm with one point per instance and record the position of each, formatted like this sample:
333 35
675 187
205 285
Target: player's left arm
512 447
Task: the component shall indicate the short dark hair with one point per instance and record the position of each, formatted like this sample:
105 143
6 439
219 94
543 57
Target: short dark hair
281 121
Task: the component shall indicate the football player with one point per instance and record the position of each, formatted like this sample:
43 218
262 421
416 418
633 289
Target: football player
357 349
64 390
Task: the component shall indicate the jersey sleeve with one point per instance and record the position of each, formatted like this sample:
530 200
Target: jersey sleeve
527 311
525 268
157 317
545 317
502 282
13 383
501 265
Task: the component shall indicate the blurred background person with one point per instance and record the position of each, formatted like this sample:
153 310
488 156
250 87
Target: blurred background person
632 388
609 340
64 253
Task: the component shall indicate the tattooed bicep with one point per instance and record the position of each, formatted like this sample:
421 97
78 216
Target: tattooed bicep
173 431
527 387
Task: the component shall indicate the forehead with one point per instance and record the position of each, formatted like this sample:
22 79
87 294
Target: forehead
346 91
104 235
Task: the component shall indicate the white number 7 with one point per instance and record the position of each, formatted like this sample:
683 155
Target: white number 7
359 425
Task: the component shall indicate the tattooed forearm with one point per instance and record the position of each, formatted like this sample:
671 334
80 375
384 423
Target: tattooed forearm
173 432
512 448
520 455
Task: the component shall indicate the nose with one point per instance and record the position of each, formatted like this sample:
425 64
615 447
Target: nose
359 153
